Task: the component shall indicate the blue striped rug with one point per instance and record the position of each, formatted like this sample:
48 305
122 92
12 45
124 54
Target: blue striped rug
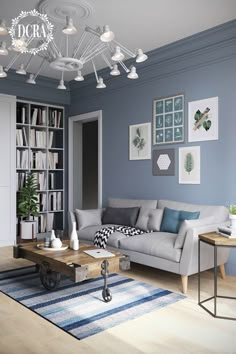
79 308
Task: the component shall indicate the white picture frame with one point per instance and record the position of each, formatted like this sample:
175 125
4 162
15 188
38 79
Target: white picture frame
189 165
203 120
140 141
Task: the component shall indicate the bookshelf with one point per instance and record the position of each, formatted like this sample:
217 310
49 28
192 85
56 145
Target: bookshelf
40 149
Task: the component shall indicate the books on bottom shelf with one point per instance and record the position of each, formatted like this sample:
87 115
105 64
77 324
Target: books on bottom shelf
55 201
227 231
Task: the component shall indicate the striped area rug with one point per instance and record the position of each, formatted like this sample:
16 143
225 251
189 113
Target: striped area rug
79 308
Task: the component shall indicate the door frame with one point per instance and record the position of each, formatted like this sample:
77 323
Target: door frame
84 118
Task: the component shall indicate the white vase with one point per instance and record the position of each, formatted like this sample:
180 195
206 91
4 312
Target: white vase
56 243
233 221
52 236
73 236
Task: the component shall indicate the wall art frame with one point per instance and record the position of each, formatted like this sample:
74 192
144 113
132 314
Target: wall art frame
189 165
140 141
163 162
168 120
203 120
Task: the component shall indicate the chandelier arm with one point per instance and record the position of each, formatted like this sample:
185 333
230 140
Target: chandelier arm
93 50
79 44
106 61
131 54
12 61
124 66
93 55
93 31
39 69
29 61
89 47
95 71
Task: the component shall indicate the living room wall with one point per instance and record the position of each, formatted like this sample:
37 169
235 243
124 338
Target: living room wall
201 66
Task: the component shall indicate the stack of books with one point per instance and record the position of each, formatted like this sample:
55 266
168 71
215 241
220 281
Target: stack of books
227 231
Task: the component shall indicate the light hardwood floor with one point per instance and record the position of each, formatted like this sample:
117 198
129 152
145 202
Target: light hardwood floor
179 328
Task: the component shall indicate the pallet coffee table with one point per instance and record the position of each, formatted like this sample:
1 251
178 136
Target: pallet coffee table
77 265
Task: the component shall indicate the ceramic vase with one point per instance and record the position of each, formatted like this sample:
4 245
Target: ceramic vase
233 221
74 237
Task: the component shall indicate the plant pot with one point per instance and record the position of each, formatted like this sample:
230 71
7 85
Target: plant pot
232 218
28 230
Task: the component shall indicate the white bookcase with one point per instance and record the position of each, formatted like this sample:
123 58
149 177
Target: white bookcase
40 149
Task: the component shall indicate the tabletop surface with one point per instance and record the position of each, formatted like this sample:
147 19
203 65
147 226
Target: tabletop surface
215 239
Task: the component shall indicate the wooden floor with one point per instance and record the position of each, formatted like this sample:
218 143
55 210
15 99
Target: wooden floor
179 328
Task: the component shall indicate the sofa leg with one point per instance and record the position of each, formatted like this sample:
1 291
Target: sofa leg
184 280
222 271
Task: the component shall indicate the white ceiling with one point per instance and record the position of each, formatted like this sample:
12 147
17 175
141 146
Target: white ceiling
137 24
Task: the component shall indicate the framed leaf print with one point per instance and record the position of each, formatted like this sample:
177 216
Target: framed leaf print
189 165
168 120
140 141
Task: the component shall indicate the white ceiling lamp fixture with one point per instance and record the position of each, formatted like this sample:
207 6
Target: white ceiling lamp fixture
71 54
3 28
3 48
141 57
69 27
115 71
31 80
61 85
2 72
133 74
79 76
117 56
107 35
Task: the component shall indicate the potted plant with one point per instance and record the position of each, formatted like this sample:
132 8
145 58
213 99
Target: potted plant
232 215
28 207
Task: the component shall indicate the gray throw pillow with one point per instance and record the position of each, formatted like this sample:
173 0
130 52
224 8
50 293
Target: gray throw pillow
149 219
188 224
88 217
120 216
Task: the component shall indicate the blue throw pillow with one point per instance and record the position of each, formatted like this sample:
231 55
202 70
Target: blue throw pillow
172 219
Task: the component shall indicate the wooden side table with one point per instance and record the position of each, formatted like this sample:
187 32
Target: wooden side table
215 240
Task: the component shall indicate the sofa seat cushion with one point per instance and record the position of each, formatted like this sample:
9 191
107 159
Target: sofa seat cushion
87 234
159 244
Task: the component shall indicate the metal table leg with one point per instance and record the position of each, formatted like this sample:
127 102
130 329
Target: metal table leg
106 293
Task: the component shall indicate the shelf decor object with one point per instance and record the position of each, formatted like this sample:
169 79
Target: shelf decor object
65 47
168 120
203 120
40 152
189 165
140 141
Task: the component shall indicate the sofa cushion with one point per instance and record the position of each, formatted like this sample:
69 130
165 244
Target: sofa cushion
188 224
159 244
120 216
89 217
129 203
219 212
149 219
87 235
172 219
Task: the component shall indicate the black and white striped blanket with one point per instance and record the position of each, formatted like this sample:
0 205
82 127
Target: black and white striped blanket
101 236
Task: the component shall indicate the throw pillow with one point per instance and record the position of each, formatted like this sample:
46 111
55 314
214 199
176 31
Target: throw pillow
120 216
172 219
90 217
188 224
149 219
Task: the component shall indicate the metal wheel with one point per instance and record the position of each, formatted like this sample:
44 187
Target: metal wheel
49 278
106 294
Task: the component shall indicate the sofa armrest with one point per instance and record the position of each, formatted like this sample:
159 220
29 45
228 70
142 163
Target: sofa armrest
189 257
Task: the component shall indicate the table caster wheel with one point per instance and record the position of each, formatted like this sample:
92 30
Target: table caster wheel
106 294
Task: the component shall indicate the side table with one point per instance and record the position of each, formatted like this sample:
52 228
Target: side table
215 240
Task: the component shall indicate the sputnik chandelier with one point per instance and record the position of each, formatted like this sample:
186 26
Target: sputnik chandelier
91 45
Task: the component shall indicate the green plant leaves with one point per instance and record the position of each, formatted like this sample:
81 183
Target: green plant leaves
28 204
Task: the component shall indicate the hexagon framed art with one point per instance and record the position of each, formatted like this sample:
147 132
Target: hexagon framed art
163 162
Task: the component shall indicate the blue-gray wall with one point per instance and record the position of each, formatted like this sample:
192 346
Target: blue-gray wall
200 66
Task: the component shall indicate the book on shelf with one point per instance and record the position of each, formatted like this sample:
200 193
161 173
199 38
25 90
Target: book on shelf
34 116
22 159
227 231
50 140
50 221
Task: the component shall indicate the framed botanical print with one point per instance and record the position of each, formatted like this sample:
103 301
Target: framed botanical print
140 141
168 120
189 165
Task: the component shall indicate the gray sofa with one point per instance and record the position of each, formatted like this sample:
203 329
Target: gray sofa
173 252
